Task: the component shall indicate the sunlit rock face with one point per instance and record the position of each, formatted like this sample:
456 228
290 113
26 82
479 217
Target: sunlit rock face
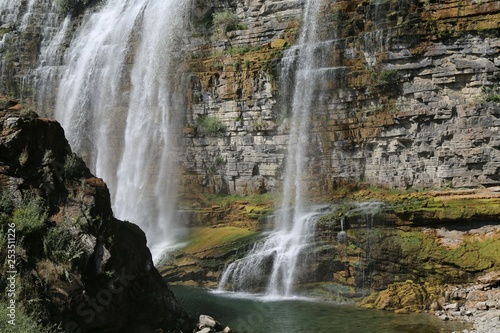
410 105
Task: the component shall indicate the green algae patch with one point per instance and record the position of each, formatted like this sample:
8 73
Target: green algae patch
429 206
446 254
211 240
205 254
446 209
230 210
401 297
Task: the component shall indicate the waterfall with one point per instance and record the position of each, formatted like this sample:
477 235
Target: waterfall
117 103
46 76
24 22
27 15
9 11
273 262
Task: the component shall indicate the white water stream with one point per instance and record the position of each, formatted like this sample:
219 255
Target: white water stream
117 103
273 262
39 20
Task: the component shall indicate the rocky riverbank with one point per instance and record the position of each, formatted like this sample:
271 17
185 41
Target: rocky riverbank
478 303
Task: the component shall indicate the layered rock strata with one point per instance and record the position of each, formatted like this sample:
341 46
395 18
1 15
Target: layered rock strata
410 104
409 98
367 240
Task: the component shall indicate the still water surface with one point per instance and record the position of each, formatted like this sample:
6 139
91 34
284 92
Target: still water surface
251 314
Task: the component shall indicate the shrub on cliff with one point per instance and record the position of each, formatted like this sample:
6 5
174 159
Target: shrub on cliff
7 205
210 126
224 22
491 94
60 245
74 167
31 215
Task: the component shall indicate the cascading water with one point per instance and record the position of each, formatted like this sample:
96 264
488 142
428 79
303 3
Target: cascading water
46 76
9 11
273 262
27 15
24 22
117 103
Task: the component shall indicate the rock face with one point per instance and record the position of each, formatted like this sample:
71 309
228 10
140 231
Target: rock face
414 104
475 302
413 101
428 238
76 263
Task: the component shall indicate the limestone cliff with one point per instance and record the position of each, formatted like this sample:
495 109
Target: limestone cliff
413 101
75 264
410 99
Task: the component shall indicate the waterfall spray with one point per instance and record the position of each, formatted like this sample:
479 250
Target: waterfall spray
118 104
275 259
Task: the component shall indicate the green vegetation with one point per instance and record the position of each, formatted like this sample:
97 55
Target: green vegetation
419 205
336 215
490 94
219 160
6 205
224 22
210 126
387 76
384 78
23 322
31 215
428 208
60 245
74 167
470 253
210 239
237 65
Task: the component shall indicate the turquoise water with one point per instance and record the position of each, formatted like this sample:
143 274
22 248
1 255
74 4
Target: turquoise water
251 314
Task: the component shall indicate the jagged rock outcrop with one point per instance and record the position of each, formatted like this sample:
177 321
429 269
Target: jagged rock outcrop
76 264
